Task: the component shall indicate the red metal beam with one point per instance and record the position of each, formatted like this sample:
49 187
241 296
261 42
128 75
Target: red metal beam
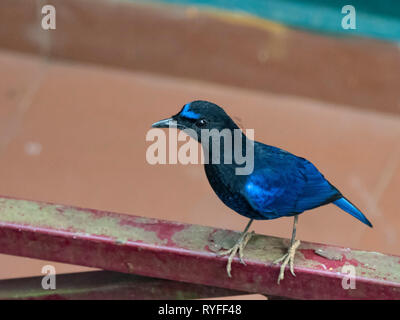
107 285
182 252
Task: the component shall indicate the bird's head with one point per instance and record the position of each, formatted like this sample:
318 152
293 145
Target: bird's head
198 115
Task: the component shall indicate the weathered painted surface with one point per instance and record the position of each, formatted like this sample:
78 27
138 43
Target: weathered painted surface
107 285
183 252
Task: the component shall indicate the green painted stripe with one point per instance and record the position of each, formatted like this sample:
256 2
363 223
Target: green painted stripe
374 18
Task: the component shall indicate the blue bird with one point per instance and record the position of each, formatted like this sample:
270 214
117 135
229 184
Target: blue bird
280 184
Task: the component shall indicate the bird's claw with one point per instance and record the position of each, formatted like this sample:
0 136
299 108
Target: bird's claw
239 246
287 258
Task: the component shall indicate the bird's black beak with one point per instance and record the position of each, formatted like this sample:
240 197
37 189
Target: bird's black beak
166 123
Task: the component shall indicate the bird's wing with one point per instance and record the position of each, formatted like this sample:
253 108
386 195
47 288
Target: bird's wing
268 190
317 190
288 186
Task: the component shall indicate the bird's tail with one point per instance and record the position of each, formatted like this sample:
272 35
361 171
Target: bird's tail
350 208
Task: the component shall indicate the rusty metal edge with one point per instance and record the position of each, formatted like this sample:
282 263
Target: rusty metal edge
183 252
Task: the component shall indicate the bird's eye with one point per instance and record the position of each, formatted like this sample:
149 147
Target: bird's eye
201 123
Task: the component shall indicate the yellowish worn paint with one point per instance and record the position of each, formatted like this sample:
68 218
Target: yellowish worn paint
240 18
79 221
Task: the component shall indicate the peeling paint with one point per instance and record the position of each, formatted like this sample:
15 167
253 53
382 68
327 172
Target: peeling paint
186 253
81 222
329 254
192 237
368 264
222 240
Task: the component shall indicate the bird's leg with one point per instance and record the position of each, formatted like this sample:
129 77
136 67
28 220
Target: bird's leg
239 245
289 256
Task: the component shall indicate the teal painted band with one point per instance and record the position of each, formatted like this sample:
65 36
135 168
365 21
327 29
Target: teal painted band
374 18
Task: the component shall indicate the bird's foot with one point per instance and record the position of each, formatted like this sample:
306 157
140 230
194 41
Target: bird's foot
239 246
288 258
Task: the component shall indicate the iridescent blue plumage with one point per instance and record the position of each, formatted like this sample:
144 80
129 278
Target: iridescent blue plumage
350 208
280 184
283 184
189 114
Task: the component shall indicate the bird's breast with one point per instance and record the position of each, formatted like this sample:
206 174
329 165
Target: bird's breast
227 185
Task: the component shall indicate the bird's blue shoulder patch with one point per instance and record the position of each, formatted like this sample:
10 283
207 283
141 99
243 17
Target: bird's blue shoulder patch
187 113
